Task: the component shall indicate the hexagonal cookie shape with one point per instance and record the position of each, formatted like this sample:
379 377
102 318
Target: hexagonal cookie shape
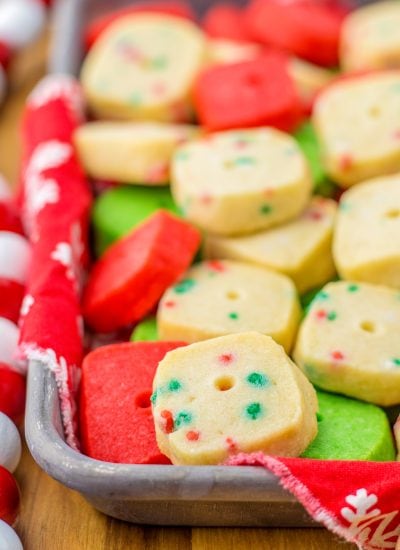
237 393
216 298
349 343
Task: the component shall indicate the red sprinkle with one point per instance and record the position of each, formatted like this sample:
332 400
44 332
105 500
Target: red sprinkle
314 215
240 143
168 421
320 314
206 199
225 358
269 191
193 435
231 443
169 303
346 161
337 355
159 88
396 134
216 265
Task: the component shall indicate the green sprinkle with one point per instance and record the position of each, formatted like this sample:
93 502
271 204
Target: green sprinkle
353 288
183 417
331 316
184 286
344 206
396 361
181 155
233 315
322 295
153 397
244 161
136 98
174 385
266 209
158 63
257 379
254 410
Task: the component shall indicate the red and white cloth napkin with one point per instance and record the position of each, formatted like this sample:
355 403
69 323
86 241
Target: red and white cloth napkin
359 501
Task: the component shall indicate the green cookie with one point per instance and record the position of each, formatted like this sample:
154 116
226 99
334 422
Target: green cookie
120 209
350 430
146 331
308 143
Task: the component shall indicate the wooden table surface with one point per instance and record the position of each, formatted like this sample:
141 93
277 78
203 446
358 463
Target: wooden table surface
56 518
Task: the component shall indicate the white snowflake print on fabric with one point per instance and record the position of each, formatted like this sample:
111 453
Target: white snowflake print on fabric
39 189
26 305
367 524
63 254
58 86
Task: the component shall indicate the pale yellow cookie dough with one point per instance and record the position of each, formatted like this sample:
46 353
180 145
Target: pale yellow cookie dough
237 393
221 297
366 238
236 182
130 152
300 249
143 68
349 342
222 51
357 121
309 79
370 37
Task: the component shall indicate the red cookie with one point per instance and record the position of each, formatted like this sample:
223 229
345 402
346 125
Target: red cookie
225 21
308 29
100 24
12 393
259 92
9 496
11 295
115 409
129 279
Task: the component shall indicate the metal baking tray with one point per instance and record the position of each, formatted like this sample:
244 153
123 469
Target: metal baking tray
143 494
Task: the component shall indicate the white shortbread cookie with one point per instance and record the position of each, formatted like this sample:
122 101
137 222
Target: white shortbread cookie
309 79
237 393
349 344
357 121
130 152
300 249
366 237
143 67
222 51
222 297
370 37
236 182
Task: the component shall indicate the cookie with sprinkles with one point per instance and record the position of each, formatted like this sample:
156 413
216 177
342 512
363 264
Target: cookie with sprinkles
300 248
348 343
370 37
366 236
236 182
357 123
237 393
135 152
143 67
214 299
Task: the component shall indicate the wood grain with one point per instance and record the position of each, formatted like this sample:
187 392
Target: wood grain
55 518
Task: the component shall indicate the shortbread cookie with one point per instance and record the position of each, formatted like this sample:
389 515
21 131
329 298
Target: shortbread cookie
370 38
136 152
309 79
348 342
236 182
238 393
222 51
357 123
350 430
370 254
221 297
145 331
119 210
143 67
300 249
126 283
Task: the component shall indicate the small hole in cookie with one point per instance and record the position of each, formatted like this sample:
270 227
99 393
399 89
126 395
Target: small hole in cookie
395 213
224 383
367 326
374 111
142 400
232 295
